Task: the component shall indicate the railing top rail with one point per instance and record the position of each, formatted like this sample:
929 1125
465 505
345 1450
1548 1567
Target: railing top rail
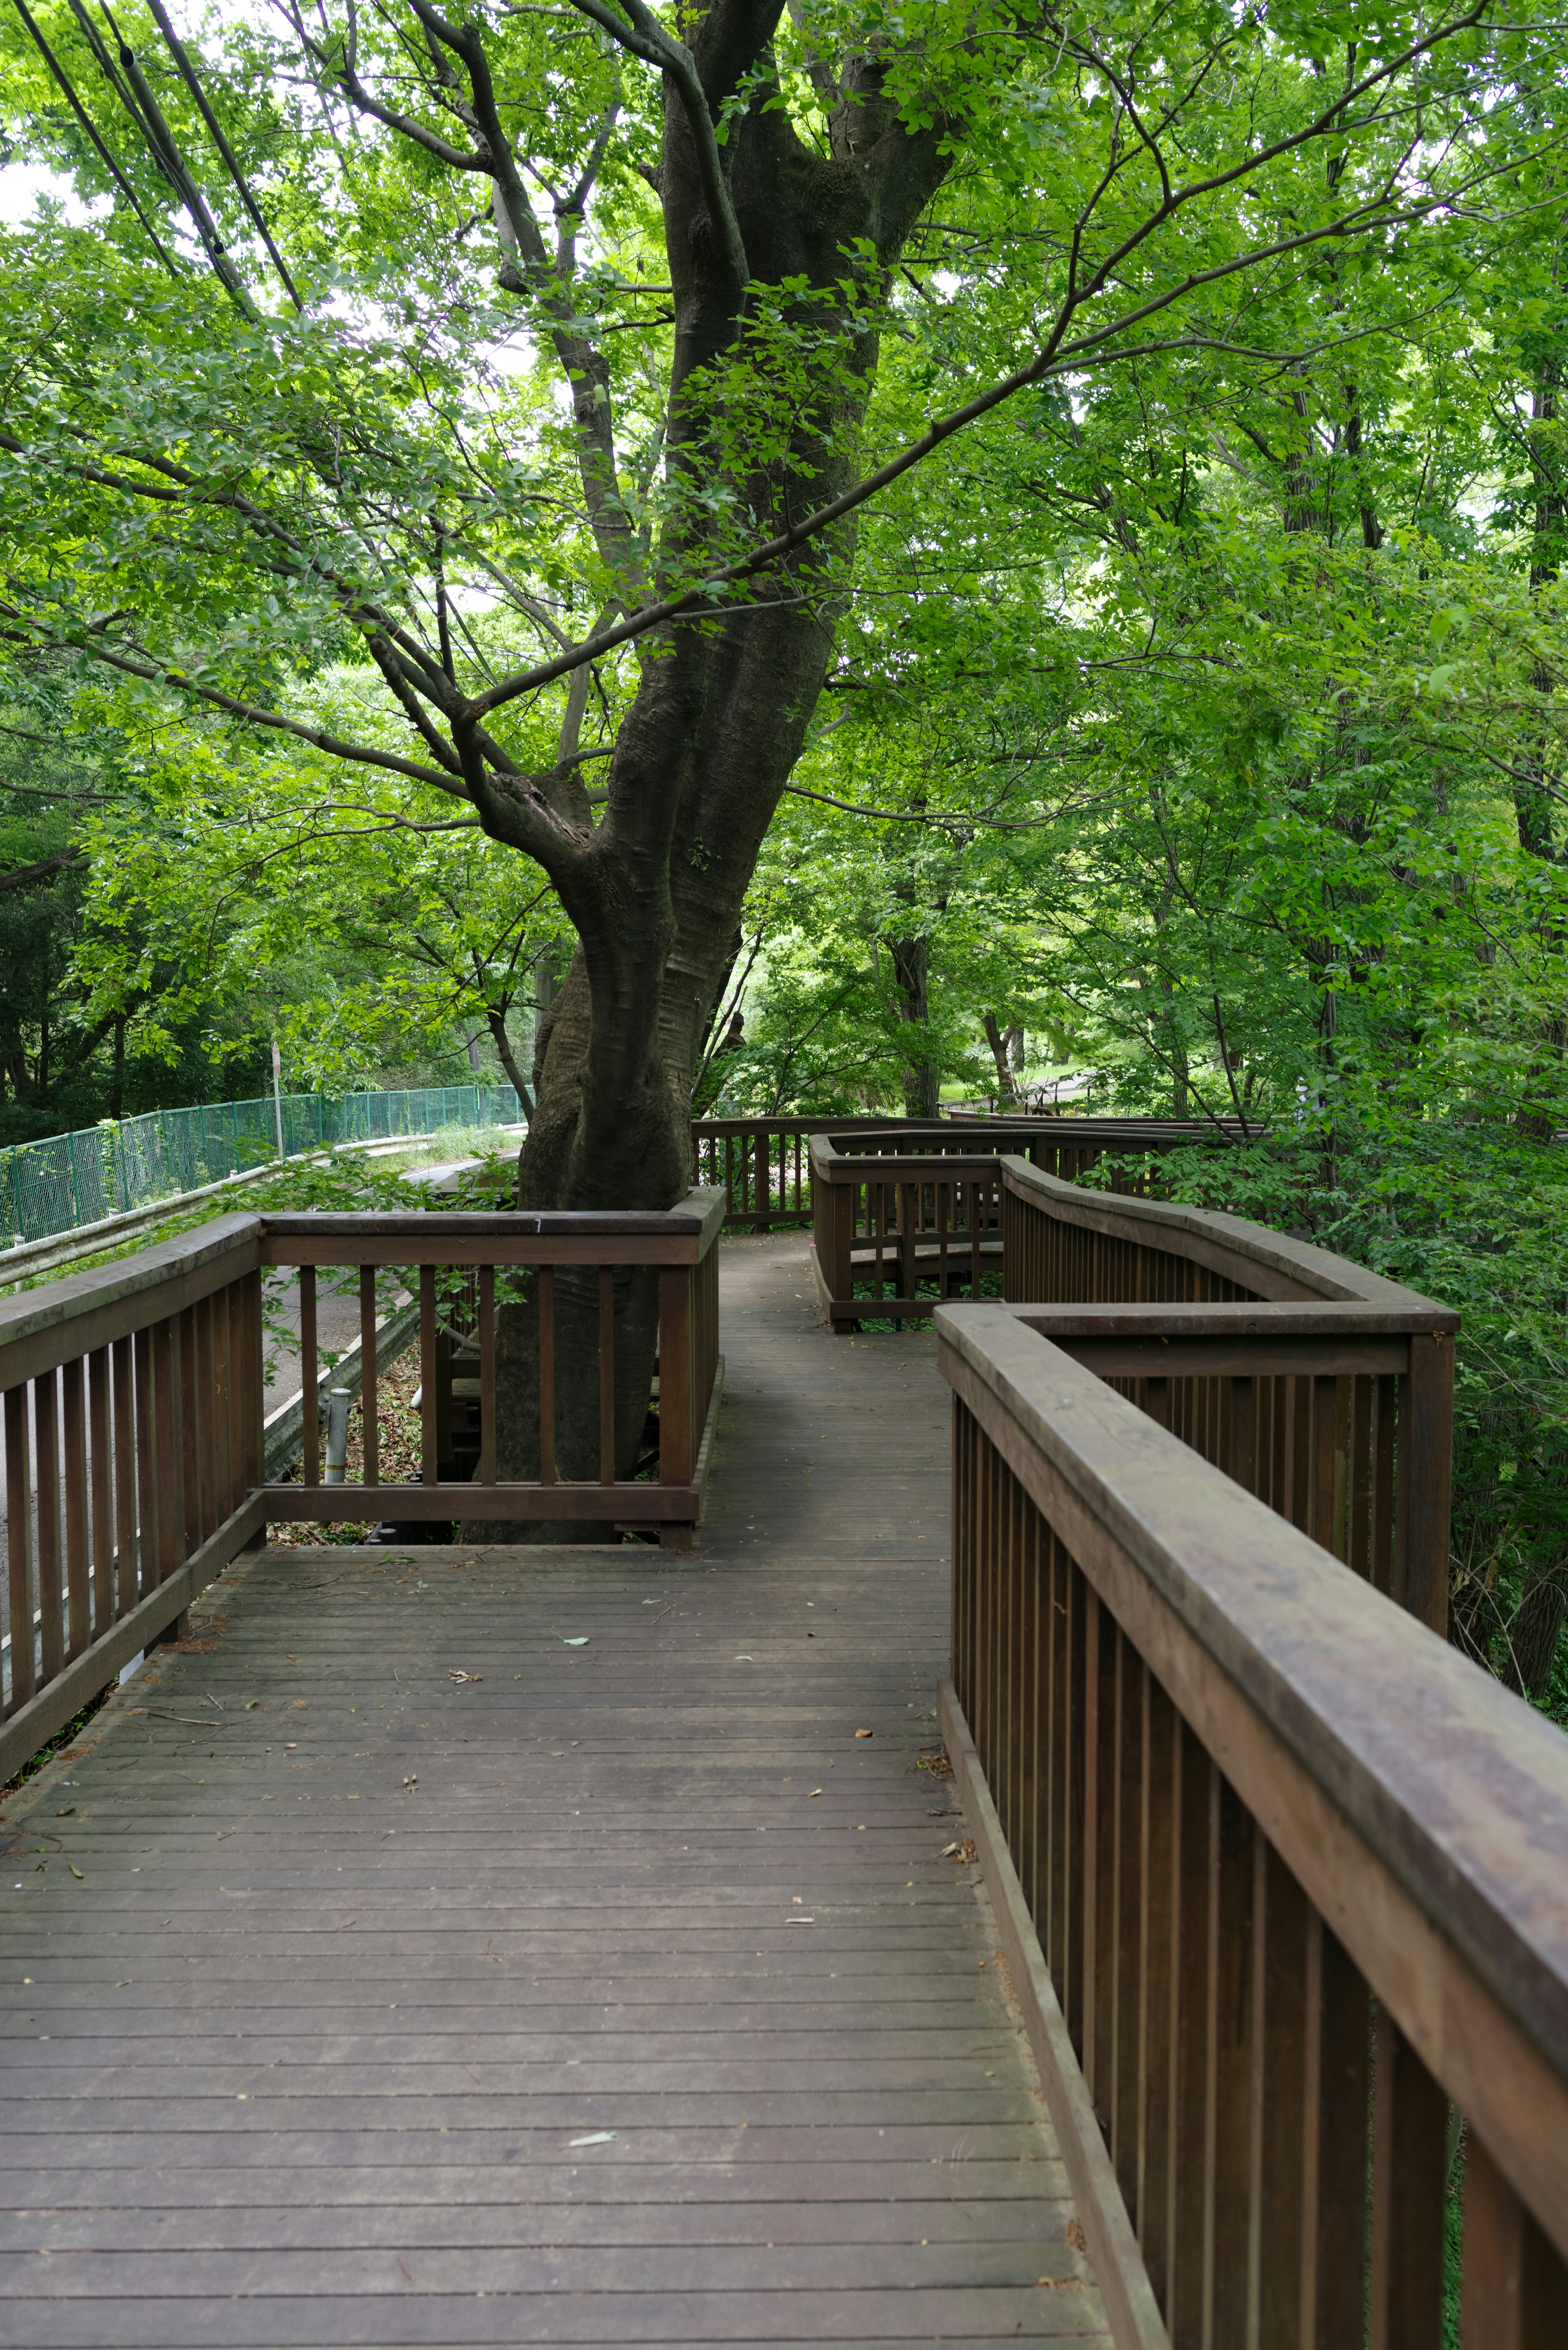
42 1328
832 1165
1314 1272
1459 1789
1126 1133
678 1235
1245 1317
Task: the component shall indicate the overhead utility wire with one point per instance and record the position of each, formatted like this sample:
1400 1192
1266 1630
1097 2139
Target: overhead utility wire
177 51
136 99
80 111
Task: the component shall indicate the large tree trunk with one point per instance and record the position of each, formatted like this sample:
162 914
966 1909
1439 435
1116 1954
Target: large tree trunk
656 929
655 889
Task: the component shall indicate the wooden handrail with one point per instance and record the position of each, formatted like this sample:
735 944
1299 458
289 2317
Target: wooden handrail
132 1402
763 1165
1228 1795
1324 1389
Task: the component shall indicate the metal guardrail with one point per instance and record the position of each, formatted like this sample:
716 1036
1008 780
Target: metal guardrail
68 1180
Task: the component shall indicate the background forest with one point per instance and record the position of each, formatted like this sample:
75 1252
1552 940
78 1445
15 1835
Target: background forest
1193 730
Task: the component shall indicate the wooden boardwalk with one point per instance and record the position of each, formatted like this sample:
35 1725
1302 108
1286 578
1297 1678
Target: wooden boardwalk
616 1994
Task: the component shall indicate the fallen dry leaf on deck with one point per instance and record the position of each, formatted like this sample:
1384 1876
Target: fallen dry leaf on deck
1076 2237
864 1733
465 1677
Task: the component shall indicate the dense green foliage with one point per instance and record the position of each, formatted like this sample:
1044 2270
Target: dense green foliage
1194 712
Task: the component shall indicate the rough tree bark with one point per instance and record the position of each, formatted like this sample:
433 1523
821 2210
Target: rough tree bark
655 887
911 960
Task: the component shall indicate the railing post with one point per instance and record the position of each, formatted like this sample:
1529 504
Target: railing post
676 1437
1425 1473
677 1440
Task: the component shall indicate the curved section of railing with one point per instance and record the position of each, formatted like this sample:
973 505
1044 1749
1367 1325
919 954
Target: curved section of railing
1281 1875
1322 1389
132 1400
763 1164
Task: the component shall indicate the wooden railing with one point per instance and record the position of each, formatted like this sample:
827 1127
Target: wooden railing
765 1164
1320 1388
1279 1876
133 1412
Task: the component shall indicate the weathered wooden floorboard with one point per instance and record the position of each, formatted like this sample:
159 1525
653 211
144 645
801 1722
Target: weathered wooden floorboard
318 1966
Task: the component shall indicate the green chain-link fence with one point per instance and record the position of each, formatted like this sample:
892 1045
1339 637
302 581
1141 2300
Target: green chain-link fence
76 1178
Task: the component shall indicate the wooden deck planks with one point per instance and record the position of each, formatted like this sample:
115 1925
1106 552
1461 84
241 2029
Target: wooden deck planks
357 1950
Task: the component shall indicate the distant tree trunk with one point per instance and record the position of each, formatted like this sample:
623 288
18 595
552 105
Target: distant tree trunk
1537 1629
508 1060
1180 1067
1533 795
1006 1087
911 977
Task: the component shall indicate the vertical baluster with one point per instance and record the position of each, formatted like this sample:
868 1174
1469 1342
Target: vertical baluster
677 1438
47 1470
100 1463
1059 1886
1284 2126
430 1435
78 1594
1516 2283
19 1546
146 1422
1127 1917
1242 1401
1410 2175
122 1404
308 1376
1385 1481
1238 1856
254 1383
1151 2193
193 1411
1075 1866
370 1400
221 1429
1197 1809
1025 1841
547 1375
606 1371
166 1541
1099 1859
1324 1412
487 1374
1334 2224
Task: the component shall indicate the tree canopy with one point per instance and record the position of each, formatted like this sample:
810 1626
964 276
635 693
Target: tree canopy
893 548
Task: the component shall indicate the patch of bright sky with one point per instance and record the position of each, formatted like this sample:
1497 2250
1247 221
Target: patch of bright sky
21 185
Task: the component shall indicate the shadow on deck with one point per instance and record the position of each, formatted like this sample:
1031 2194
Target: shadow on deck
617 1993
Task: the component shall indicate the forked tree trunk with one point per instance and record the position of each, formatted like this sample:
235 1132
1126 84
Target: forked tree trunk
656 929
655 889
